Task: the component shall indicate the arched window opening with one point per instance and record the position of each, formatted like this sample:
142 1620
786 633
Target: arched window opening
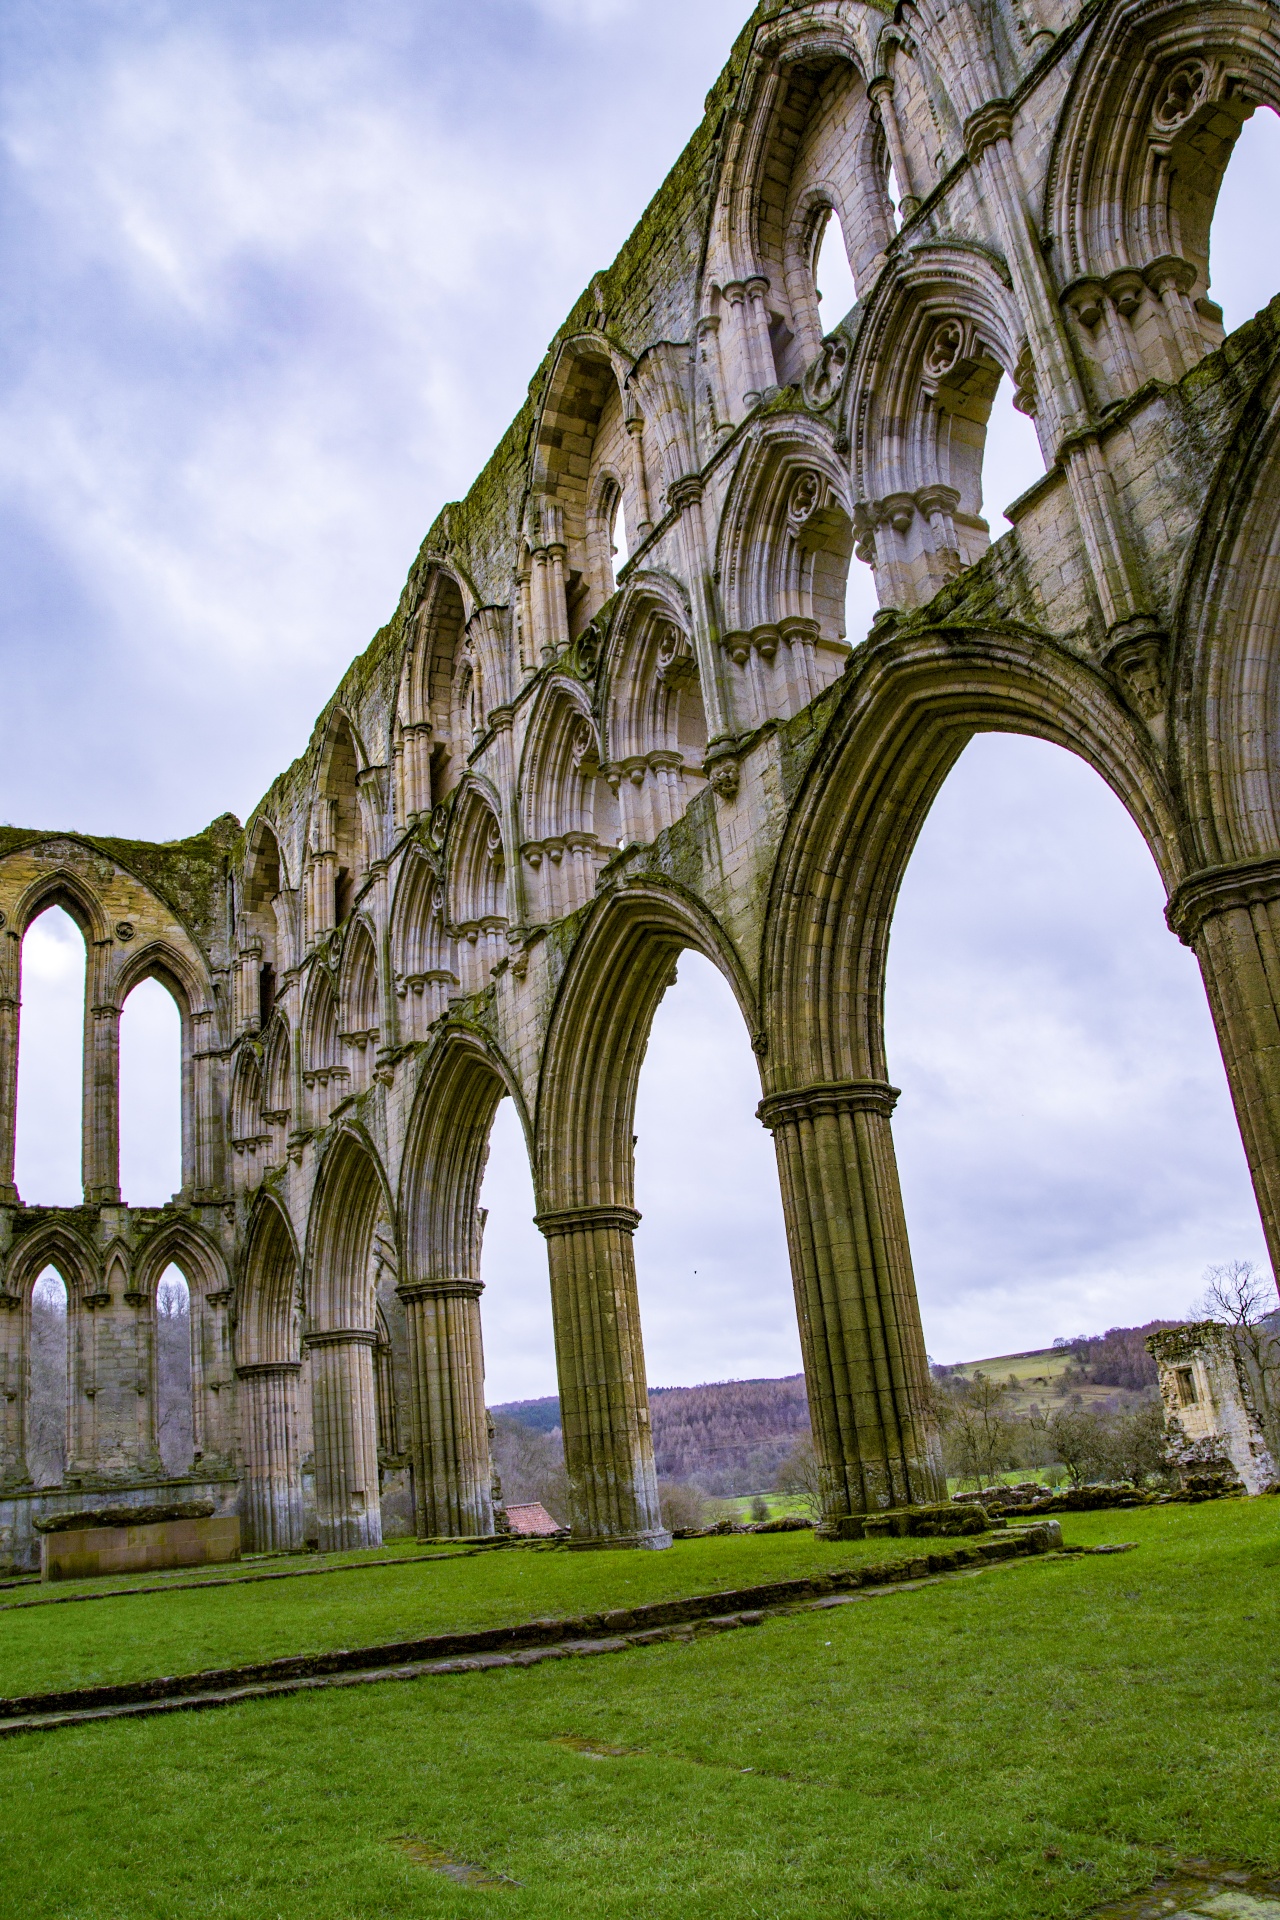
150 1097
1243 275
519 1349
833 276
711 1254
47 1387
384 1390
50 1062
175 1424
1011 458
618 534
1068 1152
519 1343
861 601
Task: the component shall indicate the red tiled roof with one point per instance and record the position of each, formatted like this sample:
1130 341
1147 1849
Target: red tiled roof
532 1517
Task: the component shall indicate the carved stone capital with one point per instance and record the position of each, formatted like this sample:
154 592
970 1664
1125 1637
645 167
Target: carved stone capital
685 492
341 1337
268 1369
983 128
582 1219
833 1096
1087 300
444 1288
1217 890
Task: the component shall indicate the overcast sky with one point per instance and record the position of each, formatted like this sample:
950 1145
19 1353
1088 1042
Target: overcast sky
274 280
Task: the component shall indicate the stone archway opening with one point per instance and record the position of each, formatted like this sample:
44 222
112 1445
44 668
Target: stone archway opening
150 1096
48 1166
1067 1148
1243 275
712 1269
175 1412
47 1381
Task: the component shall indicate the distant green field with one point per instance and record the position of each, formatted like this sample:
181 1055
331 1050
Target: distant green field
1034 1377
1021 1745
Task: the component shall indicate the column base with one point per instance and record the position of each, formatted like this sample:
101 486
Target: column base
655 1542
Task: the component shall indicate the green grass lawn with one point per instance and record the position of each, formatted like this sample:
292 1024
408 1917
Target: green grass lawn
138 1636
1030 1742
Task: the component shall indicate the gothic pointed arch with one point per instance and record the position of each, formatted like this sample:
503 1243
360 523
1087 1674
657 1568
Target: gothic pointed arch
929 359
263 932
903 720
54 1244
599 1029
583 468
569 817
1152 114
442 695
277 1074
476 885
248 1129
351 1197
1224 673
200 1261
325 1075
359 1009
421 954
656 724
337 850
786 538
269 1296
268 1357
62 886
805 146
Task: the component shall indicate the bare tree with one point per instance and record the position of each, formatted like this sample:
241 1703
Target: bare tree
979 1440
800 1476
1238 1296
46 1441
530 1466
175 1424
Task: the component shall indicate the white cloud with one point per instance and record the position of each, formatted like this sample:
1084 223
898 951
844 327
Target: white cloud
276 281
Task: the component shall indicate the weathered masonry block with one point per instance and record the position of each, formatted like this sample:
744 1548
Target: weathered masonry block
546 776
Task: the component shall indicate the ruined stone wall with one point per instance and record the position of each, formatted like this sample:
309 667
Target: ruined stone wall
547 776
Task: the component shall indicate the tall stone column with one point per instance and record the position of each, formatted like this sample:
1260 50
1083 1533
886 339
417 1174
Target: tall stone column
864 1358
452 1477
604 1401
100 1144
10 967
345 1422
271 1505
1230 917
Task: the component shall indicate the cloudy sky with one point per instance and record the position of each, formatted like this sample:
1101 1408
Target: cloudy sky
274 279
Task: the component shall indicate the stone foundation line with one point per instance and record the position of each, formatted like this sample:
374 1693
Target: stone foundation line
252 1579
527 1645
549 775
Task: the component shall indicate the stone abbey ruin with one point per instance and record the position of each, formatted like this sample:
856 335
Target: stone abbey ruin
541 782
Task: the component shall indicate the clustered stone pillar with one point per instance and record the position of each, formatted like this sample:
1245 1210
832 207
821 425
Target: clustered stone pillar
100 1149
604 1401
10 969
344 1419
272 1485
452 1477
864 1358
1230 918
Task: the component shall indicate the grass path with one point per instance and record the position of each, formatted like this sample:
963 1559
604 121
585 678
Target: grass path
139 1636
995 1749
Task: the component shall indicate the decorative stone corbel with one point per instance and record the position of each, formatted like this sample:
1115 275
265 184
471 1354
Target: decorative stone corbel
723 772
1136 653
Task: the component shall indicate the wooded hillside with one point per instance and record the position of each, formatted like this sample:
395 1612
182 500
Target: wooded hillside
727 1437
